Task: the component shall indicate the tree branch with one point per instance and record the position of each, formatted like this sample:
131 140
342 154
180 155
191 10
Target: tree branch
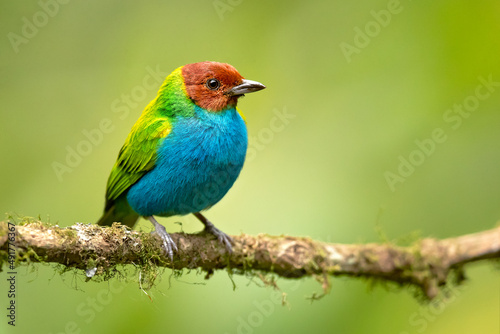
426 264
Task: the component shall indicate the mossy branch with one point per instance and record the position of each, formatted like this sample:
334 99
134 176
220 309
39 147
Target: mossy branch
426 264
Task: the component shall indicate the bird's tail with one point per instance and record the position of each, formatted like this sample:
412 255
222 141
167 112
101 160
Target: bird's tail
119 211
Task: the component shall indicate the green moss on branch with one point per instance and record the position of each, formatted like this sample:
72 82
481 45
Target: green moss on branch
98 251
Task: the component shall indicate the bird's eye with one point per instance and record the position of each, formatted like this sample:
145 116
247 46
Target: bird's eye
212 84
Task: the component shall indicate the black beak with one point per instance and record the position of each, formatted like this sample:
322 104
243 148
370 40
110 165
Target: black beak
247 86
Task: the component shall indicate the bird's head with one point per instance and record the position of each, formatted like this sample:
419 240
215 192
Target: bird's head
215 86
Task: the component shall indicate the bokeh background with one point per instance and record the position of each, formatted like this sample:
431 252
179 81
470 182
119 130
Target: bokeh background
351 88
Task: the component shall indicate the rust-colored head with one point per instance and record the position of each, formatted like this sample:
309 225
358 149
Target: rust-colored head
215 86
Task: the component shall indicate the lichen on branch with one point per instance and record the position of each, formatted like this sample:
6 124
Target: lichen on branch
426 264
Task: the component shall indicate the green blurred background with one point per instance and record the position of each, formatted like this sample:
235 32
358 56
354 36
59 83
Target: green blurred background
320 173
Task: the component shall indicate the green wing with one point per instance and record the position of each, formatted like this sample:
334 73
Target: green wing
137 156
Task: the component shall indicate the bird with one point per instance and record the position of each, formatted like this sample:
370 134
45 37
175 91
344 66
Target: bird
184 153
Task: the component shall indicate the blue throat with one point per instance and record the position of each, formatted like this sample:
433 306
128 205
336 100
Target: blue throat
197 163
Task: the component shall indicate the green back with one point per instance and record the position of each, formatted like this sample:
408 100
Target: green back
138 154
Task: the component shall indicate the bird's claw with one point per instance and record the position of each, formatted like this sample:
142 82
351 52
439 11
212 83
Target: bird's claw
222 237
168 243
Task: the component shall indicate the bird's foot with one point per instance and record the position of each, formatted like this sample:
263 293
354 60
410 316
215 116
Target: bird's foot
168 242
222 237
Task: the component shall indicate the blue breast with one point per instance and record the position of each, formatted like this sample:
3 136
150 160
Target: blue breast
197 164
